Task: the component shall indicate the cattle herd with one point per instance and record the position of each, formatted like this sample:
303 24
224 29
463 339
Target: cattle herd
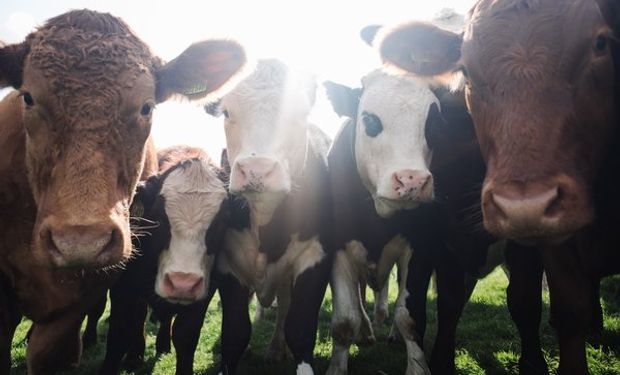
496 128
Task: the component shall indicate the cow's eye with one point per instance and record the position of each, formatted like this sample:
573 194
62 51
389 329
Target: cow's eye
146 109
600 45
225 113
372 124
27 98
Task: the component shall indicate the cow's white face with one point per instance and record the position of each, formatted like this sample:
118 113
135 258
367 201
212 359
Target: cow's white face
391 152
193 195
266 131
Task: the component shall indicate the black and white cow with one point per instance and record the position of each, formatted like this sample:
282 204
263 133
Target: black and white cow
279 165
405 171
180 218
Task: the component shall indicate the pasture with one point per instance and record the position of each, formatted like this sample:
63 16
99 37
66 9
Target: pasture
487 341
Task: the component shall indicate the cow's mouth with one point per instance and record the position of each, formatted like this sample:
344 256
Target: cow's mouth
386 207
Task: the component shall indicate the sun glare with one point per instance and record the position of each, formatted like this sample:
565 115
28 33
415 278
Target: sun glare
317 37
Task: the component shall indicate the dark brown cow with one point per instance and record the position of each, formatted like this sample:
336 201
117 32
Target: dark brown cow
541 82
73 143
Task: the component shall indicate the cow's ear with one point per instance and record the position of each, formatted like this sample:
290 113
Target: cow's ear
146 193
12 59
420 48
344 99
201 69
369 33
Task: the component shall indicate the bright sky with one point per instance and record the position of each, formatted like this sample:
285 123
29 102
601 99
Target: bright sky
316 36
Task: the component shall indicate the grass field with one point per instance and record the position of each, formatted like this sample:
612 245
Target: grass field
487 340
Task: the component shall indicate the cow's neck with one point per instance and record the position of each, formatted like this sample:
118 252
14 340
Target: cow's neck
263 206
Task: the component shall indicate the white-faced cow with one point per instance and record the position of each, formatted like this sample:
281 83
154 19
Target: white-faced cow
73 144
404 171
279 165
181 216
541 80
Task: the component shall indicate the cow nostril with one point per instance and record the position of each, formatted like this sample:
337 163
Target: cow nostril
48 242
496 208
168 285
555 206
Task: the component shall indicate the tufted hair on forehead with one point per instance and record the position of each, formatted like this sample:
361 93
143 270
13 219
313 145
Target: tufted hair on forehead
84 54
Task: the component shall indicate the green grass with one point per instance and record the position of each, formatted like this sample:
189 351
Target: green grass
487 341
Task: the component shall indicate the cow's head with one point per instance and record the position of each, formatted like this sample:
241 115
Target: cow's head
539 83
391 151
88 87
266 125
183 212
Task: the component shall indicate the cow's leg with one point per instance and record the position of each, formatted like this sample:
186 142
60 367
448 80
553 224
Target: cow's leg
162 343
402 267
525 304
410 312
135 353
89 338
346 318
571 305
277 347
126 315
451 298
236 326
55 345
9 319
366 334
303 318
381 305
186 333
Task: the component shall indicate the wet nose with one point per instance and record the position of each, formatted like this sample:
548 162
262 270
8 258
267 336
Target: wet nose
254 173
183 286
527 209
413 184
82 245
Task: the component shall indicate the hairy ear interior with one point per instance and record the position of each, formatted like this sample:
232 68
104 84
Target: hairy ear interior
420 48
12 59
202 69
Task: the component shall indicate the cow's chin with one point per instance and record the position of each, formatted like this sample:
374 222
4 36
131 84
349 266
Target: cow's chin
387 207
552 235
263 204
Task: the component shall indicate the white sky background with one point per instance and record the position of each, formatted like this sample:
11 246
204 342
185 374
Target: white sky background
316 36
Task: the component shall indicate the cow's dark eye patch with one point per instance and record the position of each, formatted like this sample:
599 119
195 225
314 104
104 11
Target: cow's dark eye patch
27 98
372 124
601 43
146 109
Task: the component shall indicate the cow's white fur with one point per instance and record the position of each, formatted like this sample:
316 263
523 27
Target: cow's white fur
402 104
416 361
304 369
193 196
267 118
349 266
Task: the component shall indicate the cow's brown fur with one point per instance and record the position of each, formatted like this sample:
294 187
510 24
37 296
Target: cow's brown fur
73 145
544 99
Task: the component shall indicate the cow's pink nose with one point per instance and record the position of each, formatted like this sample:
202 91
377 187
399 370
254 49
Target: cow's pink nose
184 286
529 208
413 184
256 173
79 245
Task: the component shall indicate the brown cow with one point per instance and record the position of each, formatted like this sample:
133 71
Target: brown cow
73 144
541 81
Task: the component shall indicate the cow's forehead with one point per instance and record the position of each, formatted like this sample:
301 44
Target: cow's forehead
401 93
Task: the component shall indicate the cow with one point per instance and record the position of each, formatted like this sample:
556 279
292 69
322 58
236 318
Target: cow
74 141
181 216
404 171
278 164
541 80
